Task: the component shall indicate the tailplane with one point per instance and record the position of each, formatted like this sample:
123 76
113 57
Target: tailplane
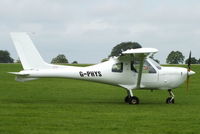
22 77
28 54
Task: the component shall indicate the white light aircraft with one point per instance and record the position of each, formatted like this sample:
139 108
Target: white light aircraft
133 69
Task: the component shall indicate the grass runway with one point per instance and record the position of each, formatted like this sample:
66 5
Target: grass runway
66 106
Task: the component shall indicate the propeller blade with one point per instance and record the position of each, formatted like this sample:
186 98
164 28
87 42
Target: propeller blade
189 61
189 69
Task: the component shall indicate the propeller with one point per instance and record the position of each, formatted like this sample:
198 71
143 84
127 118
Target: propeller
188 70
189 62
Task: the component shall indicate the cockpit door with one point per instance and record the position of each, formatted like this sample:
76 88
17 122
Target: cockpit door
149 72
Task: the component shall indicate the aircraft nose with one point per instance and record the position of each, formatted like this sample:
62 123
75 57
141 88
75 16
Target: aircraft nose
191 73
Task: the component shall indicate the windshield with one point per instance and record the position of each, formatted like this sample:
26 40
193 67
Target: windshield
155 63
147 67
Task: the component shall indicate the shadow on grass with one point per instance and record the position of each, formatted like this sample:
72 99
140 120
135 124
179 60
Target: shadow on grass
74 101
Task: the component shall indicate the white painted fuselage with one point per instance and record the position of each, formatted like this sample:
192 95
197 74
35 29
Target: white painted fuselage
162 78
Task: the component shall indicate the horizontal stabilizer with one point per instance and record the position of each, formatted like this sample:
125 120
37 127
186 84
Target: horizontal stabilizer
23 79
18 73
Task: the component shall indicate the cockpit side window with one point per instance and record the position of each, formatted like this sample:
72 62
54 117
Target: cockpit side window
118 67
147 67
133 66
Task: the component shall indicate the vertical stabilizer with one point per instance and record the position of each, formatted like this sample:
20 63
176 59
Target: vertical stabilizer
28 54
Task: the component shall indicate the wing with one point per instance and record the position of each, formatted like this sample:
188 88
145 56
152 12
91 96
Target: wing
137 53
140 55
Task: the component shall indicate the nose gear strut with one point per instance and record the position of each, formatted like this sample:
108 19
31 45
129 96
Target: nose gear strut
170 100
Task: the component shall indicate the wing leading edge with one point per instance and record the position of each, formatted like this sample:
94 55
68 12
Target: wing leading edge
141 51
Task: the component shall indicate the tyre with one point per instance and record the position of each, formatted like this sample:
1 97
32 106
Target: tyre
134 100
170 100
126 99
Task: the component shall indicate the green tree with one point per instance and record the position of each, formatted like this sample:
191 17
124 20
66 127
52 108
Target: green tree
193 61
18 61
75 62
105 59
59 59
5 57
118 49
175 57
199 61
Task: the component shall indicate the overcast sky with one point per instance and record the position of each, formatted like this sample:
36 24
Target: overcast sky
87 30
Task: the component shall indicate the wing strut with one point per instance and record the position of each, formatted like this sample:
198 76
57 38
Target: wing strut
140 70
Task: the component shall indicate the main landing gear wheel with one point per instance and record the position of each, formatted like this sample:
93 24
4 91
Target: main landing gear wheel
130 99
170 100
134 100
127 98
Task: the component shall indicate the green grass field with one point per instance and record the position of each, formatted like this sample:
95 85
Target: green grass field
65 106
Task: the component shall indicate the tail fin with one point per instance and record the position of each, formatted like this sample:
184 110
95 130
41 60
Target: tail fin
28 54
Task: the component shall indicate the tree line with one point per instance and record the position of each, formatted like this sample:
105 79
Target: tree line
6 58
174 57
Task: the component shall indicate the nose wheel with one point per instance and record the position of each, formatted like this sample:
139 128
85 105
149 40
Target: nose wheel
170 100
